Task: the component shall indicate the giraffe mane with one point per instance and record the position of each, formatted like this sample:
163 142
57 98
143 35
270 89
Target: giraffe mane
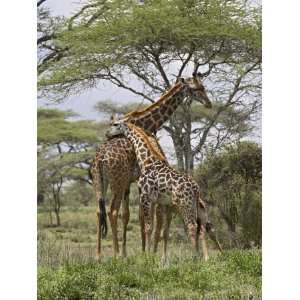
153 149
169 93
157 146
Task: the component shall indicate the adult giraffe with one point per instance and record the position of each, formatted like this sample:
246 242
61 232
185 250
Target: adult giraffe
115 161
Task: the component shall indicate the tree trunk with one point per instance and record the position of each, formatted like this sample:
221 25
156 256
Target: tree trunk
179 155
188 157
57 217
57 208
50 212
56 199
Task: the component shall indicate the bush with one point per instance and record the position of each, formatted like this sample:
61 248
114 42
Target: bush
234 275
231 183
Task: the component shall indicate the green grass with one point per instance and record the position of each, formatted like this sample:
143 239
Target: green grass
234 275
67 268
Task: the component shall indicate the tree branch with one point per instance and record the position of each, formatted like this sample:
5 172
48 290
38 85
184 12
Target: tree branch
116 81
161 69
185 62
221 109
71 20
40 2
45 38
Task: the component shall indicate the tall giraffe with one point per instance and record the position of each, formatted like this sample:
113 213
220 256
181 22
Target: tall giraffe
115 160
157 179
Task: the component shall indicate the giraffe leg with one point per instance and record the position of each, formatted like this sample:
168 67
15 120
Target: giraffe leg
125 219
100 185
188 214
159 223
142 224
168 219
98 255
146 207
203 243
113 217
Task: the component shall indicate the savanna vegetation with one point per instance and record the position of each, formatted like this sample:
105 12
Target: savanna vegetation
143 47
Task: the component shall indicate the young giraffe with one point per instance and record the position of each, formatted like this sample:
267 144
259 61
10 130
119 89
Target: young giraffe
115 160
164 212
158 178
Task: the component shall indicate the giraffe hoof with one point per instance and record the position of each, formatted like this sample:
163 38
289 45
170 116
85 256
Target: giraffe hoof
98 258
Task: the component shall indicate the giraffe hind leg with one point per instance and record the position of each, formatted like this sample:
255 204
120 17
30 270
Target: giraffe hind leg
203 243
147 208
142 226
168 219
159 223
100 188
125 219
113 217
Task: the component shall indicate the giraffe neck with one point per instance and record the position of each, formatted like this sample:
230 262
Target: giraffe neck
153 117
146 154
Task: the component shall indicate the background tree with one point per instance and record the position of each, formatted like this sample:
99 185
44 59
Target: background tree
154 44
231 182
47 26
65 150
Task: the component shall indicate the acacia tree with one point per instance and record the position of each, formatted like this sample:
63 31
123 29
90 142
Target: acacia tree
47 26
65 149
154 44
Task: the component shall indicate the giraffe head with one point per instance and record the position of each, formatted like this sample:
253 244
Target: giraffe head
114 119
195 89
134 132
117 127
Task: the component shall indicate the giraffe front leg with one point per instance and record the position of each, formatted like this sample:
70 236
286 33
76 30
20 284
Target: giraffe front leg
146 207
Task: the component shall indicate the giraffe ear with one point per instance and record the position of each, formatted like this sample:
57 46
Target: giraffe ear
197 74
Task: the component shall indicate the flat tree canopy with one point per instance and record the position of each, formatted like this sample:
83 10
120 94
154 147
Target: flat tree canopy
154 42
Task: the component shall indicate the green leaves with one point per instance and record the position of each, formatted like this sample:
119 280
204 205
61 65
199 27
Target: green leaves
53 127
124 34
234 275
66 147
231 181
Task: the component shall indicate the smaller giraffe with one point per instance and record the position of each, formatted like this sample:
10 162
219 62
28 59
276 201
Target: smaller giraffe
158 178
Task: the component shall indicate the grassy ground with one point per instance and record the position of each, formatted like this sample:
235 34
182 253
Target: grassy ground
67 267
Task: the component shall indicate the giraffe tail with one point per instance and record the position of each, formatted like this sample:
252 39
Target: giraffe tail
96 174
208 225
103 218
